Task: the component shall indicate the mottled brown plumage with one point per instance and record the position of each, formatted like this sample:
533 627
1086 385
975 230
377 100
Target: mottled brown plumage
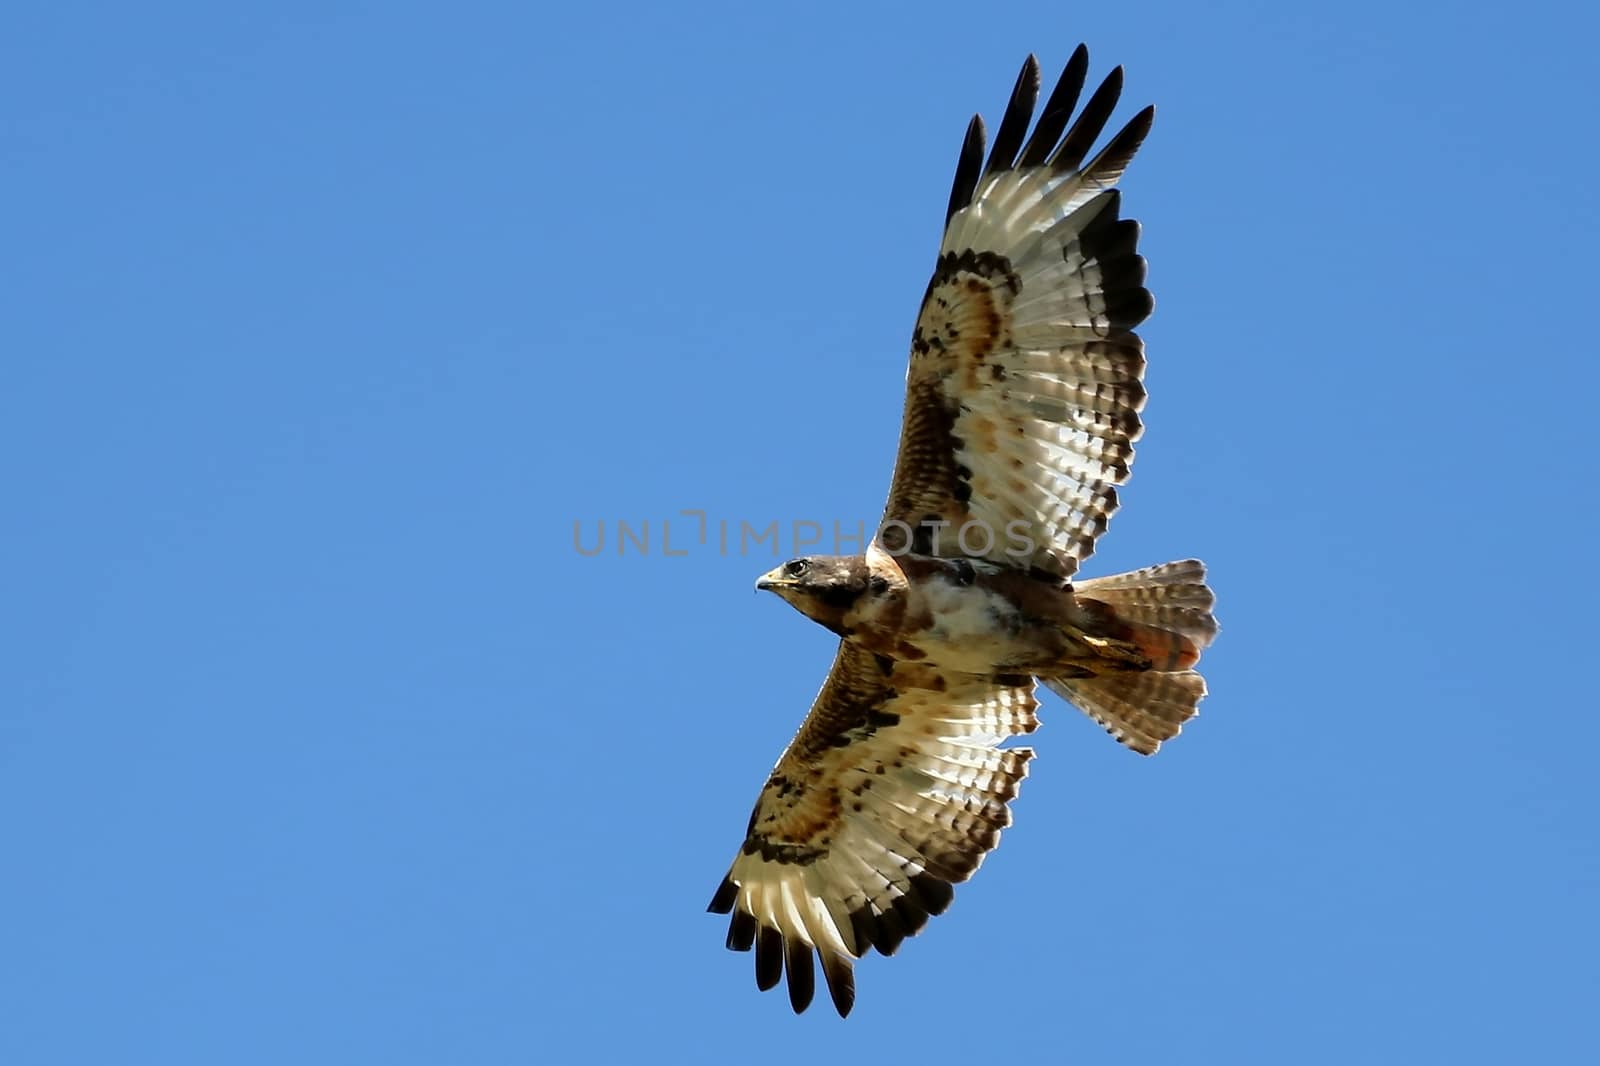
851 848
1022 408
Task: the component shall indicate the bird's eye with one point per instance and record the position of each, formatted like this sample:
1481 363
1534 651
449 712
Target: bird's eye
796 568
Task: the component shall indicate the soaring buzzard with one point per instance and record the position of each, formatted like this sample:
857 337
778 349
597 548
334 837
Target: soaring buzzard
1022 406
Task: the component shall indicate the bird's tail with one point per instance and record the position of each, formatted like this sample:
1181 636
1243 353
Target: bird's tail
1166 612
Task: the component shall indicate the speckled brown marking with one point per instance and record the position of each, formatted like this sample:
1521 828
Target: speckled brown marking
988 265
963 320
909 677
924 479
983 432
1039 596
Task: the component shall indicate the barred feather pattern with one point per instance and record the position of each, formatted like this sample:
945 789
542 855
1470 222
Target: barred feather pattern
894 789
1172 596
1025 381
1144 710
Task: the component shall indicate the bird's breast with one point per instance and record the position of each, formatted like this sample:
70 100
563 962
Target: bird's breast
951 623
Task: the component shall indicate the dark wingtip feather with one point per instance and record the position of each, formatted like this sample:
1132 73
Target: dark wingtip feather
1129 307
769 958
1019 111
1111 160
967 168
741 931
1096 113
841 978
888 930
913 915
861 926
802 978
1057 110
933 893
1104 212
1112 241
722 902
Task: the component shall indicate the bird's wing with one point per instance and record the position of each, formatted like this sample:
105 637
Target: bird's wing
1025 384
894 788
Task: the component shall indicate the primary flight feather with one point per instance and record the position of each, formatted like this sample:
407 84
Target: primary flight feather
1022 406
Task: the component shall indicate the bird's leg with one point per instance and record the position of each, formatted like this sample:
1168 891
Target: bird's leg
1117 654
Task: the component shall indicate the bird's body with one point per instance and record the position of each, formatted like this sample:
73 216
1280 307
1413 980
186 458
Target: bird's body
1022 405
974 616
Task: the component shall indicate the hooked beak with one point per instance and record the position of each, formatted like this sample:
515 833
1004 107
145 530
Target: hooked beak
773 580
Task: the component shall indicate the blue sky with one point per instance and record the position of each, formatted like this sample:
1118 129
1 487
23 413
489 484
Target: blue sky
324 324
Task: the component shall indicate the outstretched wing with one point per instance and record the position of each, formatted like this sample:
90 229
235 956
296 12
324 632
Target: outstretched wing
894 788
1024 390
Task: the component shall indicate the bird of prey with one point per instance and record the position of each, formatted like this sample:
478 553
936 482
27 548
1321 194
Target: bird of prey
1022 406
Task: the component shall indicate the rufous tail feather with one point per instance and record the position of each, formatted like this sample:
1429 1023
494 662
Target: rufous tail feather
1166 612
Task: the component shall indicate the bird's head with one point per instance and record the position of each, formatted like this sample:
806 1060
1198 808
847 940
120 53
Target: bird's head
821 587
